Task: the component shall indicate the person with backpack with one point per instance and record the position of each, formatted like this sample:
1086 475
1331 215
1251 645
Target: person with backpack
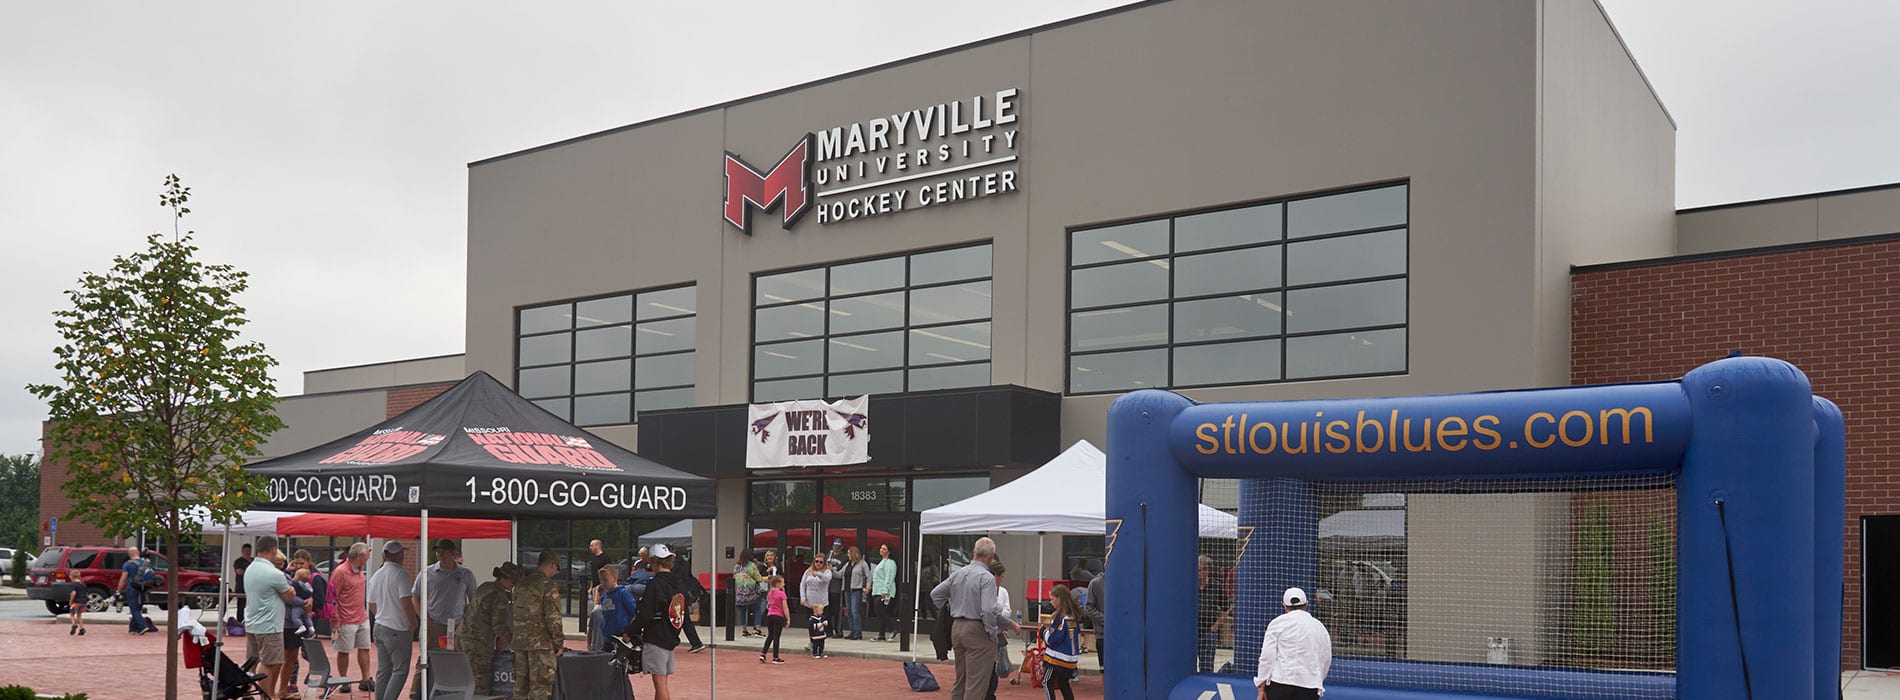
137 577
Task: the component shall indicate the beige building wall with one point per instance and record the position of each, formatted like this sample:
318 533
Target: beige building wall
383 375
1528 136
1868 211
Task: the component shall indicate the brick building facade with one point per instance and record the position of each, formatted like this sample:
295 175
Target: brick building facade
1831 308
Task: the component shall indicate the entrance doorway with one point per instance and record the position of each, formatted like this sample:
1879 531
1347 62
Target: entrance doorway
1880 591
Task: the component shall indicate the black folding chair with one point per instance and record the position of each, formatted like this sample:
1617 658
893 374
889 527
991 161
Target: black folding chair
318 676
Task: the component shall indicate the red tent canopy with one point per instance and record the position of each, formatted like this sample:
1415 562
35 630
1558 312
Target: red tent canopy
395 527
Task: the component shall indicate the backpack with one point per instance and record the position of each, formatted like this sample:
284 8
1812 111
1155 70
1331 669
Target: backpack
325 603
144 578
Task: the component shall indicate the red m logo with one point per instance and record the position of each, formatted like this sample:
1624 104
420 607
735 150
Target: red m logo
787 187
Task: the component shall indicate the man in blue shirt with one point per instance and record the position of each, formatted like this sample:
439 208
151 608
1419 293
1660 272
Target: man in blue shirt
134 596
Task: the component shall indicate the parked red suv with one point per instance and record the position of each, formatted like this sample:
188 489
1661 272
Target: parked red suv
49 576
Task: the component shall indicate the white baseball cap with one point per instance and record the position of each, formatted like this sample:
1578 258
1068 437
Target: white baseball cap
660 551
1294 597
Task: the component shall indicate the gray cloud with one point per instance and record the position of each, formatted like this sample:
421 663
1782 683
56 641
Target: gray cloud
326 144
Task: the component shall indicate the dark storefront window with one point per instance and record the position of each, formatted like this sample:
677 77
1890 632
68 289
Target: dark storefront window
865 496
903 323
1304 288
795 497
619 539
602 361
930 493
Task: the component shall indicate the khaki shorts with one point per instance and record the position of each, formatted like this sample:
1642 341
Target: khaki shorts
350 637
267 648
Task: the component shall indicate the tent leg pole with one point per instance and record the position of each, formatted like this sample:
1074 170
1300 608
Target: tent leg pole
422 607
712 573
917 595
514 538
1042 543
224 588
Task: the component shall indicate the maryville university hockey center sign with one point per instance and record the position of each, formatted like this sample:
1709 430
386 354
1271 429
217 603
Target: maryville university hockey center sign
940 154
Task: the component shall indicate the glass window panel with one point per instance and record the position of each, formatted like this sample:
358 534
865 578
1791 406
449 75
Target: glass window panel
545 382
1125 327
542 319
555 406
603 342
1347 257
791 286
662 399
1351 211
867 276
864 496
867 313
788 389
957 302
1346 306
795 321
1346 354
611 409
930 493
1140 369
603 312
663 370
1137 240
950 377
1119 284
944 265
1220 229
965 343
788 359
668 302
545 349
873 351
612 375
1221 318
666 336
1230 271
784 496
862 383
1227 363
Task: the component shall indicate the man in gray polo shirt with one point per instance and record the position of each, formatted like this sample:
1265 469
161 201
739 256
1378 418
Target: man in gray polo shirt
450 589
971 594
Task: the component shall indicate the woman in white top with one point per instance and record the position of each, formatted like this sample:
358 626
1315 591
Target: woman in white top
1003 665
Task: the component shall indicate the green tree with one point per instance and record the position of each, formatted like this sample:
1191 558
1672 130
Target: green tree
19 501
159 402
1595 604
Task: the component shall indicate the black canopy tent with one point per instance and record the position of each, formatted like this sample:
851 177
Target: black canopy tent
480 450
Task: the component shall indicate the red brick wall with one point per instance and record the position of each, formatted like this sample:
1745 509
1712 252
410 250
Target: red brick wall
1834 312
406 398
54 504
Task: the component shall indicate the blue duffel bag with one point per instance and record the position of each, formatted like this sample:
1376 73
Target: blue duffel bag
921 680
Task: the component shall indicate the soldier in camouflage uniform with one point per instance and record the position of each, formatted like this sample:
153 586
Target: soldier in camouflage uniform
538 635
487 622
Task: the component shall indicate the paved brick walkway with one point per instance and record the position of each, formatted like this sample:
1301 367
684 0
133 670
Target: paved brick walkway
108 664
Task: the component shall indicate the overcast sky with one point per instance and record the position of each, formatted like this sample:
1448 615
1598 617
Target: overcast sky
326 144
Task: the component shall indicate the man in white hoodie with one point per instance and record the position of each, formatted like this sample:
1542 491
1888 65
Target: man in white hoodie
1295 655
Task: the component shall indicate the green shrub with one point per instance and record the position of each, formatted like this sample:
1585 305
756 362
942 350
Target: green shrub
16 692
19 569
73 696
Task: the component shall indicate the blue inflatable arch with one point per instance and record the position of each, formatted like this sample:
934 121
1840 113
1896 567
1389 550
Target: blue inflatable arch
1751 447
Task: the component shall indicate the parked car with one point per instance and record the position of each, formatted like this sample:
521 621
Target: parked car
50 576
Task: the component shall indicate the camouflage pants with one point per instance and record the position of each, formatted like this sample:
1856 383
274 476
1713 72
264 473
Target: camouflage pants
481 662
534 674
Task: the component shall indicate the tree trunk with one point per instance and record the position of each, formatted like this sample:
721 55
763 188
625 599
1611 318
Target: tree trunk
171 608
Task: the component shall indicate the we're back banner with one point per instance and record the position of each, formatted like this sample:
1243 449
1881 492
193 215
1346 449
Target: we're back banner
808 433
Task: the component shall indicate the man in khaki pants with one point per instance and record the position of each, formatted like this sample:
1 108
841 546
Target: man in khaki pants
971 594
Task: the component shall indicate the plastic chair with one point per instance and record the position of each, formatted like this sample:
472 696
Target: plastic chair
318 674
450 675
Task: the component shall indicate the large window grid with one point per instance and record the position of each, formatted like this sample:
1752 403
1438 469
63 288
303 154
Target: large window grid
910 322
603 360
1287 289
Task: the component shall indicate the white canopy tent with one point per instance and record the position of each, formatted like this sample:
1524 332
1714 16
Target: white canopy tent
250 522
1025 507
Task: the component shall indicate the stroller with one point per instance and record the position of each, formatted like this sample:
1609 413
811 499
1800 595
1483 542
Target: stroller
233 681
